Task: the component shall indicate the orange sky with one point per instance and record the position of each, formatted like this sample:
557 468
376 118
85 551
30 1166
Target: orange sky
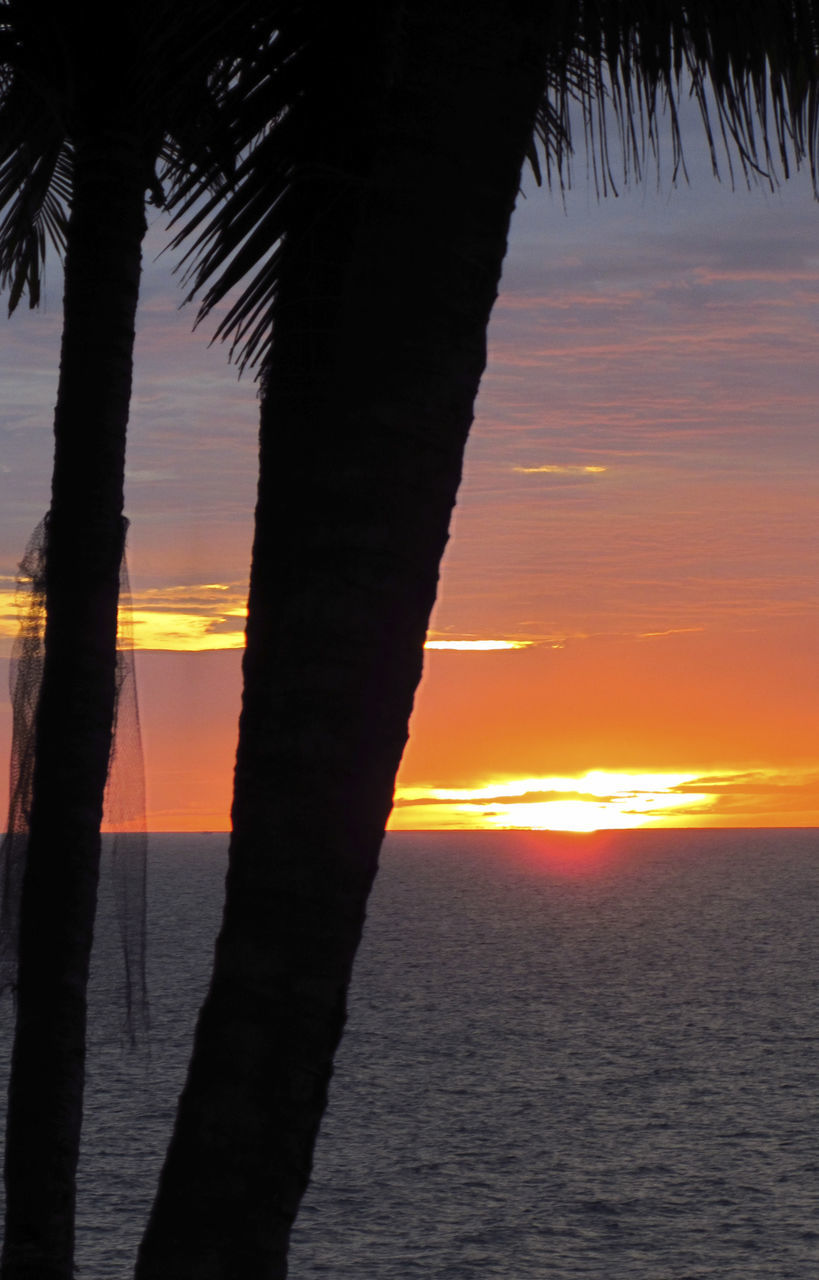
638 518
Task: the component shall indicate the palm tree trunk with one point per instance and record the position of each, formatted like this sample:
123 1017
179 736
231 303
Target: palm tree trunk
74 719
379 346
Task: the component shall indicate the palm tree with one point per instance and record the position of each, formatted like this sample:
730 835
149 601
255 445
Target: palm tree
382 199
75 712
88 108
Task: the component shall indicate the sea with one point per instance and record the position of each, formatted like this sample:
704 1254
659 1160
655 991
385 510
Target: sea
566 1056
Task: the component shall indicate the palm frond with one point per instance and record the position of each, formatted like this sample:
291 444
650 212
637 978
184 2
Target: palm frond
35 187
624 68
752 69
35 154
165 80
231 225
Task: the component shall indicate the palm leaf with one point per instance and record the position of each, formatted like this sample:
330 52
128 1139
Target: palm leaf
181 62
35 184
624 67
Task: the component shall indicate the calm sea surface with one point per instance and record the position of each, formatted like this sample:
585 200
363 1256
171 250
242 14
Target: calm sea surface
566 1056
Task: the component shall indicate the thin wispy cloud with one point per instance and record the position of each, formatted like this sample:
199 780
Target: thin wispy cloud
556 469
477 646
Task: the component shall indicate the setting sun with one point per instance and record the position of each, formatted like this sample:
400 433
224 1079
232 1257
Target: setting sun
597 800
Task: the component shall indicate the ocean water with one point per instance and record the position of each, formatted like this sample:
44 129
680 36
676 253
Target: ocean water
567 1056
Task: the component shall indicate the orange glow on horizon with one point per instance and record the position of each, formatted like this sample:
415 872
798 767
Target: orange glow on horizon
607 800
503 728
598 800
601 800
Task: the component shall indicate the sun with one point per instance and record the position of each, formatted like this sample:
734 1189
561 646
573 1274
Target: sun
561 815
599 800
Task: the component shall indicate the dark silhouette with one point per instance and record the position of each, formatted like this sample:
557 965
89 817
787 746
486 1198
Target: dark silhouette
90 104
396 174
383 298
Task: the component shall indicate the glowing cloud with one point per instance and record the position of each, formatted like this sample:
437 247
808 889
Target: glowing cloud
190 619
605 799
183 632
558 470
482 646
598 799
186 619
206 616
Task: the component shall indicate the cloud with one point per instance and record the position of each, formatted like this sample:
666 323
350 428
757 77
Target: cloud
609 799
478 646
181 618
669 631
190 618
184 632
569 470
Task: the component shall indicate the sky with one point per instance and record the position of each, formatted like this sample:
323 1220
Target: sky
626 630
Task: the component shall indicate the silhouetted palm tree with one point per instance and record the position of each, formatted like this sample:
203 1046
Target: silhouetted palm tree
382 199
90 102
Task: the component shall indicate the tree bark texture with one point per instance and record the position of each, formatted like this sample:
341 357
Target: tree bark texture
74 719
399 228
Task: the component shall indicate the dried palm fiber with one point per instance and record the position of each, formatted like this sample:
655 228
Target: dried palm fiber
124 807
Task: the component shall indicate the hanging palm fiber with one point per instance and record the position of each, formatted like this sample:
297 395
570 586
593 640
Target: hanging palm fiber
124 806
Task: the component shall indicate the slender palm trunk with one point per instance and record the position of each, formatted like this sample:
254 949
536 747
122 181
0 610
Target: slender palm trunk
379 348
74 719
